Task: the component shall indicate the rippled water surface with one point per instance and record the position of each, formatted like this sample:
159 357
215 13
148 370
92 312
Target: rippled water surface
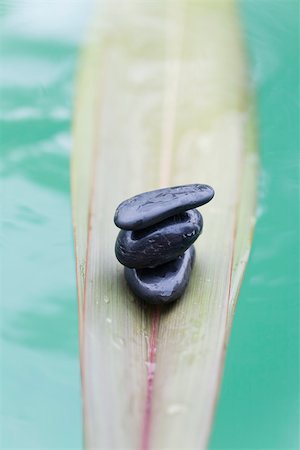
40 386
40 383
259 403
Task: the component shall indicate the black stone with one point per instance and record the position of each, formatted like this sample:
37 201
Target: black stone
159 243
163 284
149 208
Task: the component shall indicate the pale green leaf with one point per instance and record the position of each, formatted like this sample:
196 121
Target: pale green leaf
163 99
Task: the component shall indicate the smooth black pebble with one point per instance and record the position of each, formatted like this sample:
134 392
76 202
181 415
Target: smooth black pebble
149 208
159 243
165 283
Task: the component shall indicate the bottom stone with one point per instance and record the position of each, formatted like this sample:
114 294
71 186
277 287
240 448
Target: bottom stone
162 284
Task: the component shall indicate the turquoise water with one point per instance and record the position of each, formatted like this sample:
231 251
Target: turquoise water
259 402
40 380
40 383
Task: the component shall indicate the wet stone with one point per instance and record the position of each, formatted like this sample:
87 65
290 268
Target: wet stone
149 208
163 284
155 244
160 243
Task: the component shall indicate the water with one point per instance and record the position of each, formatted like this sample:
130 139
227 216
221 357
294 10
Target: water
40 382
40 386
259 403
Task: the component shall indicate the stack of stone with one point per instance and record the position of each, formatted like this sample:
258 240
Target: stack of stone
158 229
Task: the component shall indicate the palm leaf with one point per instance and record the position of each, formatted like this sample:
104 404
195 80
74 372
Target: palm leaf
162 99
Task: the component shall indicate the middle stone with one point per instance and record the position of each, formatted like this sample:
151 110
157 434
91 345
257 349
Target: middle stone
160 243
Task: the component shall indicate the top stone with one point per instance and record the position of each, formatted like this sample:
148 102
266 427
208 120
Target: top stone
151 207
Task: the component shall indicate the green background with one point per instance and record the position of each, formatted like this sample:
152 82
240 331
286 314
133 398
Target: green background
259 402
40 383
